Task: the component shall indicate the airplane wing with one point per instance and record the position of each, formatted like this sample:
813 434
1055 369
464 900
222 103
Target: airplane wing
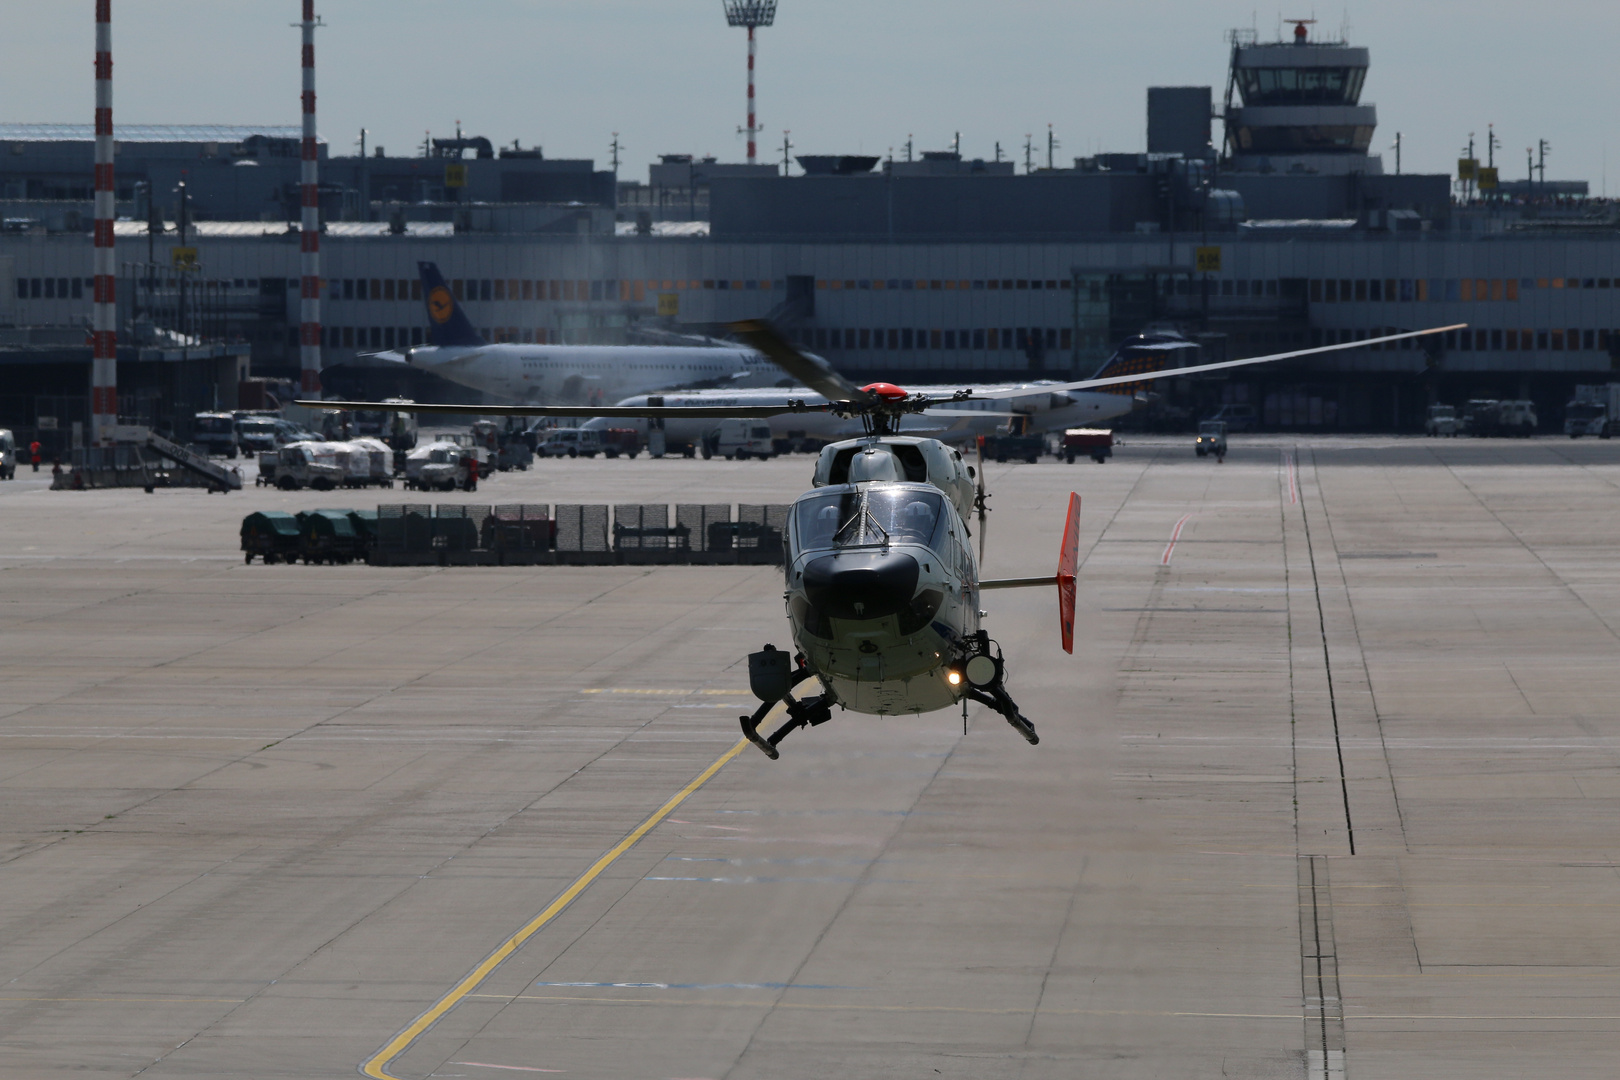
1148 376
716 412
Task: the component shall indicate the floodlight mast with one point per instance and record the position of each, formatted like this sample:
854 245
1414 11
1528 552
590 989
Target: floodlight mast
749 14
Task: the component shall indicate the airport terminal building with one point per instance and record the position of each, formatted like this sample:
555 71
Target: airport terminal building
940 268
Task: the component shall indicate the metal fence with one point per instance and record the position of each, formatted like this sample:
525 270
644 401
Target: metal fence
574 533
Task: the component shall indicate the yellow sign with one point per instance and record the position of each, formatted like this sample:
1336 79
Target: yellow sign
440 304
1467 168
669 304
183 258
455 176
1208 260
1488 178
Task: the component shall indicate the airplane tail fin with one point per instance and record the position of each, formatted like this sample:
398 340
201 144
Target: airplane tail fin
1144 355
447 321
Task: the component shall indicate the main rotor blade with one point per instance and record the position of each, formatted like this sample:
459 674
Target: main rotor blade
984 520
813 371
702 412
969 412
1149 376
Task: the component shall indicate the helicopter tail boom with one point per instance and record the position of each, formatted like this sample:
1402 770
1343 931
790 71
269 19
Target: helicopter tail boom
1064 579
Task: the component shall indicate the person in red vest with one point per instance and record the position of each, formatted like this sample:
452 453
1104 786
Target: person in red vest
472 472
33 452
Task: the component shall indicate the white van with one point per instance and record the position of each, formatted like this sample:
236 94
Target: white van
570 442
743 439
8 455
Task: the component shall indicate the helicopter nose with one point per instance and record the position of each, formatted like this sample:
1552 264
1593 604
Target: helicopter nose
865 585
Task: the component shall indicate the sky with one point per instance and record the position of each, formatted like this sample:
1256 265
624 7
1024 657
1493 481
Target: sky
844 76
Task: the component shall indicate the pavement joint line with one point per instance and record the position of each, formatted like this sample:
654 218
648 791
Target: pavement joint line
554 999
1327 663
376 1066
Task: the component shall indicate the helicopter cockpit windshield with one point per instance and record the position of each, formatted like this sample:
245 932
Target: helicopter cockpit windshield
869 517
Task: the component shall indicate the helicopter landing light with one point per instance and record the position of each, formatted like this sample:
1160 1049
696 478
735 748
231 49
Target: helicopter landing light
954 677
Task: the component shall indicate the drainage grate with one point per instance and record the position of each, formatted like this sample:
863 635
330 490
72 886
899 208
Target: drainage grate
1319 968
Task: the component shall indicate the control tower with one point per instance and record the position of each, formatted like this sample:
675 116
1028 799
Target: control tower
1300 108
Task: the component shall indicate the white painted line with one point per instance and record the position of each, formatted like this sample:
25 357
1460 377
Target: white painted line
1293 477
1175 535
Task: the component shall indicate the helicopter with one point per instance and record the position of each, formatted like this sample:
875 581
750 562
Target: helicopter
882 584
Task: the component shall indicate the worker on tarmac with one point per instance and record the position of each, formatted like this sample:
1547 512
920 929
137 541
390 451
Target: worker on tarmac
33 452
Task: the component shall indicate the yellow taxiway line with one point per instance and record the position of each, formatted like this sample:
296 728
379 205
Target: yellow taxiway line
377 1065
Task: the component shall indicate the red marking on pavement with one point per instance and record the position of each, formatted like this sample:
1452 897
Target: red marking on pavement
1175 535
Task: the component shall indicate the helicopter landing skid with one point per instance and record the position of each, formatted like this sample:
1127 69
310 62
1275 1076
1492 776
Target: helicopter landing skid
807 713
995 695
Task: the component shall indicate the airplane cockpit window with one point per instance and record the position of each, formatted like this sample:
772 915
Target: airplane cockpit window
877 516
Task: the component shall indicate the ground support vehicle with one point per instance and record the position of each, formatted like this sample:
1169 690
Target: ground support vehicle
445 470
308 464
1095 443
267 468
739 440
617 442
1027 447
1442 420
1594 410
1488 417
215 432
570 442
367 462
329 536
271 535
1211 439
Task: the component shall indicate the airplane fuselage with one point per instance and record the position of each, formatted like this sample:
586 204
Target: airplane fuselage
588 374
1047 411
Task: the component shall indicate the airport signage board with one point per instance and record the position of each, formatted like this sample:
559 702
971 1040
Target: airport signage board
455 176
669 304
183 258
1207 260
1467 168
1489 178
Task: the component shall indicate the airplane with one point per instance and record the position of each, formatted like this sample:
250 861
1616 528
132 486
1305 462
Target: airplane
882 583
1042 406
559 374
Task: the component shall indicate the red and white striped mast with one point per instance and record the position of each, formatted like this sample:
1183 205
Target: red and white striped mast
751 14
104 317
309 312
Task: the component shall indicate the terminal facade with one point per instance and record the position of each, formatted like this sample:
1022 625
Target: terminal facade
942 269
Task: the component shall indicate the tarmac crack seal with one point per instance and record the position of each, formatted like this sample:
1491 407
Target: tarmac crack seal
1319 969
1327 667
376 1066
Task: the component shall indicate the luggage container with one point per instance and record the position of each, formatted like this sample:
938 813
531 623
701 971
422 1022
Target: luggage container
272 535
329 536
365 526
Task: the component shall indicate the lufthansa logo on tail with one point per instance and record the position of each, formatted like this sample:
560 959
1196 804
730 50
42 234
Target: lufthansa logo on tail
440 305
